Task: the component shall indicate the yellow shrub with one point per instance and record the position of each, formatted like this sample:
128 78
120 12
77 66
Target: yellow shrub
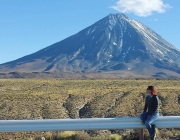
66 134
115 137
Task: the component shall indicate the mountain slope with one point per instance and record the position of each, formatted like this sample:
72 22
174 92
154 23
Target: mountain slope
112 44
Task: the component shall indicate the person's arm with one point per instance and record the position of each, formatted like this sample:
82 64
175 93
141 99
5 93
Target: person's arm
145 107
155 105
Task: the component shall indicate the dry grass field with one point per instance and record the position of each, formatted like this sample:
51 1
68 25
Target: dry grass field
85 98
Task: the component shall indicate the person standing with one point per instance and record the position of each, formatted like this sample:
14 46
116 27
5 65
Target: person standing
150 113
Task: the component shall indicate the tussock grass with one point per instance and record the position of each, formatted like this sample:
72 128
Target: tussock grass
115 137
66 134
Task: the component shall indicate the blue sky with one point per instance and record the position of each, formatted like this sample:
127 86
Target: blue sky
27 26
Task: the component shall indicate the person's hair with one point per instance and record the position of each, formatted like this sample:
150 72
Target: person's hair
153 90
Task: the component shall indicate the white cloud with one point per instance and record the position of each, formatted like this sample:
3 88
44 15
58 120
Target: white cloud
141 7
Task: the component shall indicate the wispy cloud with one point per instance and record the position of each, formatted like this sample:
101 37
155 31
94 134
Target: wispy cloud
141 7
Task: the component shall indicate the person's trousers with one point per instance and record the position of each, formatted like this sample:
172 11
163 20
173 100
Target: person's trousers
148 120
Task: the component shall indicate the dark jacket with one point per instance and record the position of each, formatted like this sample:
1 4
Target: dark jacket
151 104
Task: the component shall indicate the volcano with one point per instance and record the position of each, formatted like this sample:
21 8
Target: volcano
115 44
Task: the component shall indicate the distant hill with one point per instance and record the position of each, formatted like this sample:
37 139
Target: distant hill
116 45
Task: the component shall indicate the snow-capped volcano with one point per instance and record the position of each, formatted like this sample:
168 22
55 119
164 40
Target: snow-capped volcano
113 44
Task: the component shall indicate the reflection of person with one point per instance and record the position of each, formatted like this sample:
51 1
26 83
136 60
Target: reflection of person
150 113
